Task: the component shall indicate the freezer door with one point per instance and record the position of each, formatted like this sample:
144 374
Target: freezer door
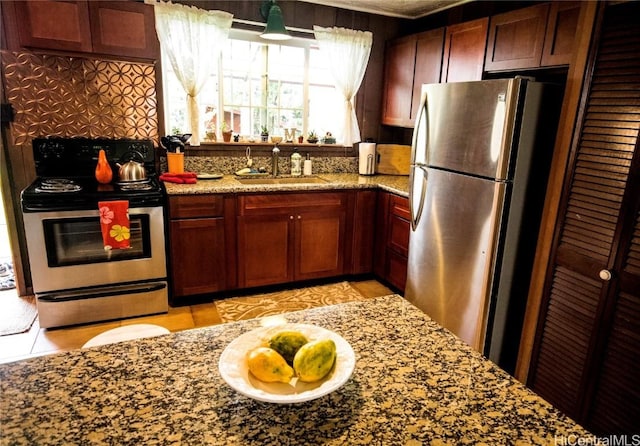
470 125
452 251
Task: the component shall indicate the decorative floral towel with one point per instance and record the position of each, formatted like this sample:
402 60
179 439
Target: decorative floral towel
114 222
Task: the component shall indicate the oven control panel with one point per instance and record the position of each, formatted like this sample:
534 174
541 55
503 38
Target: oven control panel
77 157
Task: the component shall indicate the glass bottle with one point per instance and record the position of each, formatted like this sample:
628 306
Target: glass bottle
296 163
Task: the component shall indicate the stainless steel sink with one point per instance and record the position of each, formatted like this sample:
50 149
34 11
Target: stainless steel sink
283 180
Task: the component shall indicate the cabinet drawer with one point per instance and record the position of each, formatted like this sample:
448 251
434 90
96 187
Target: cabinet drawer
281 204
193 206
400 207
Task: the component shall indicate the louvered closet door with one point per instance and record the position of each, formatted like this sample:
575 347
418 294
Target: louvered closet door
586 353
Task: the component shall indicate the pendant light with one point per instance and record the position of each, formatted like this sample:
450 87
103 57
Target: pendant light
275 29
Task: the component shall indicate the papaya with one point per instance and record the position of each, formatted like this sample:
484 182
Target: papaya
268 365
287 343
314 360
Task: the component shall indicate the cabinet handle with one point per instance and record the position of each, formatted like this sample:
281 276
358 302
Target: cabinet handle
605 275
290 217
299 217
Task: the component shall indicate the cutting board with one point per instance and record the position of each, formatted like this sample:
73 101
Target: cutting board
393 159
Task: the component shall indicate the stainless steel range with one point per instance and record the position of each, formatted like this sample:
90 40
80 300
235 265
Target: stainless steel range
75 279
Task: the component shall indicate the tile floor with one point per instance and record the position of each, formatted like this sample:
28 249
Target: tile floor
40 341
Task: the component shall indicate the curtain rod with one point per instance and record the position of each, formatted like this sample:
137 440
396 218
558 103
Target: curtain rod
262 25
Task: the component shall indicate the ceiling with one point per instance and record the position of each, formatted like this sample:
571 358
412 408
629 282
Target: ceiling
409 9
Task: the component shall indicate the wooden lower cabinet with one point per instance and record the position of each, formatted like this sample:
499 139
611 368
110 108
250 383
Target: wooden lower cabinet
201 244
290 237
392 239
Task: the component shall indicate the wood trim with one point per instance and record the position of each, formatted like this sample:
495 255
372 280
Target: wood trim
563 144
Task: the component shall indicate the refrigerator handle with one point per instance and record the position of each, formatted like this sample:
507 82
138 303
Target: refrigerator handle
416 214
419 140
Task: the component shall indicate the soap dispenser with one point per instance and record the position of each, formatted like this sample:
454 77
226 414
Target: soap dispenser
296 163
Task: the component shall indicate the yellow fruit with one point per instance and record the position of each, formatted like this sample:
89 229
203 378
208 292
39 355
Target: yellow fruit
268 365
315 360
287 343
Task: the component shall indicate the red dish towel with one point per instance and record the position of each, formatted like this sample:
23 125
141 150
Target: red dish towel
181 178
114 222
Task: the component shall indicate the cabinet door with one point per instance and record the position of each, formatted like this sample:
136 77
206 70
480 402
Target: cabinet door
53 25
265 250
561 32
516 38
197 256
464 48
398 81
124 29
428 64
588 340
380 245
319 244
397 270
616 403
362 232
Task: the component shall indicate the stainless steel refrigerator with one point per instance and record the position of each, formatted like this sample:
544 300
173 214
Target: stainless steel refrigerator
479 167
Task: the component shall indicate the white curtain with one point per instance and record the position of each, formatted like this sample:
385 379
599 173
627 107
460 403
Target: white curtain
348 53
192 39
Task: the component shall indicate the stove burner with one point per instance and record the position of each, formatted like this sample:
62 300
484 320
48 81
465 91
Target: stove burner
136 186
57 185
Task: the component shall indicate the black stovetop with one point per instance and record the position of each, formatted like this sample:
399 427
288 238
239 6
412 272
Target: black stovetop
73 161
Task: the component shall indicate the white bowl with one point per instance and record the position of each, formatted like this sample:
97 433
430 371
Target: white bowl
235 371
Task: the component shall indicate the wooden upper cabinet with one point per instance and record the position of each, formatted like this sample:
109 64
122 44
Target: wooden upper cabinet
561 32
55 25
464 49
429 45
400 57
115 28
409 62
516 38
534 37
124 28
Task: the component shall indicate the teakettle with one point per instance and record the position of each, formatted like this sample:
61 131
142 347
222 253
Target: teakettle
132 170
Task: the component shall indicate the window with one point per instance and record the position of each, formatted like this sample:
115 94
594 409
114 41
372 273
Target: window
280 86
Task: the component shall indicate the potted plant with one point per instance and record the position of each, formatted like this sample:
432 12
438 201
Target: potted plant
328 139
264 133
210 133
312 138
226 131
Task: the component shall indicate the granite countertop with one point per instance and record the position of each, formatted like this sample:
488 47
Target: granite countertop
414 383
397 184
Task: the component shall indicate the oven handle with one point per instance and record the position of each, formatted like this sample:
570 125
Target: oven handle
103 292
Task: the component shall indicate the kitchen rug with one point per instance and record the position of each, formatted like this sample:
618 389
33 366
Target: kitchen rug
7 279
17 313
269 304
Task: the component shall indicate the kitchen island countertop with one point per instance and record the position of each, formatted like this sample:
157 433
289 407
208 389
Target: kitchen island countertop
397 184
414 383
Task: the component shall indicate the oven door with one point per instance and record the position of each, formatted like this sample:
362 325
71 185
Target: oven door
66 250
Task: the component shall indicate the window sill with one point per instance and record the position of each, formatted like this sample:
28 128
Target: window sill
207 148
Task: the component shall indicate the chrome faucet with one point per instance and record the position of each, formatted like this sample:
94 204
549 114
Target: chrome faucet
274 161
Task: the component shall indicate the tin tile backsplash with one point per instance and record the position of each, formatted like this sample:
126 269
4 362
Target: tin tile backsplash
72 96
